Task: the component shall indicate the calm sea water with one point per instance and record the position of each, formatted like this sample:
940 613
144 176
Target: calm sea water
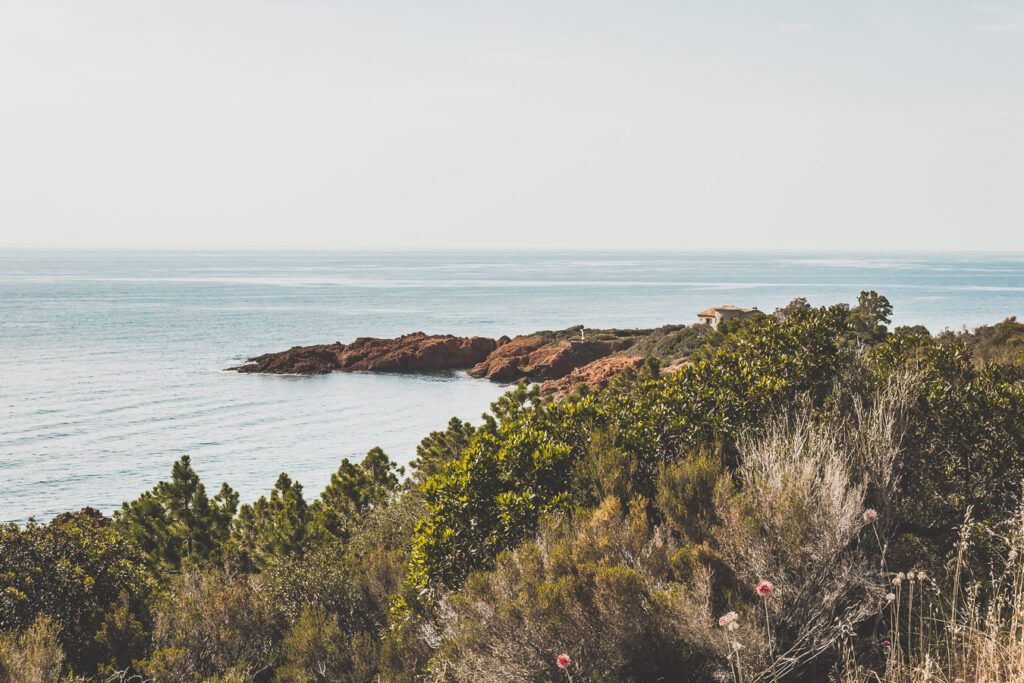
111 363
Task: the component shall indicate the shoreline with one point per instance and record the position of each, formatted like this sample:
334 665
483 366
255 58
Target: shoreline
559 361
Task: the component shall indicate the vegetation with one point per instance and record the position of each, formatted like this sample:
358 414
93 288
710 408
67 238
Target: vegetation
810 497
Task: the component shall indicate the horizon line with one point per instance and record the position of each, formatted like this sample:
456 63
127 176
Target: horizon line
478 250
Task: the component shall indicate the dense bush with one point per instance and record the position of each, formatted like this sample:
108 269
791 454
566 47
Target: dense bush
518 466
598 591
86 577
211 624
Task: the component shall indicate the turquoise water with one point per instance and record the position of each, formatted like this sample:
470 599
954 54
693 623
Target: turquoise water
111 363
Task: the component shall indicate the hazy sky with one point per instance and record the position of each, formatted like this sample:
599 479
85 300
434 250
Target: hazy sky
523 123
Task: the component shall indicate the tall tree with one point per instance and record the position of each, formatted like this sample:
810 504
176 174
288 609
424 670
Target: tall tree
273 528
870 317
353 491
176 522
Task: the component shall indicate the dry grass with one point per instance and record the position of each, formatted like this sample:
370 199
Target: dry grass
797 519
959 630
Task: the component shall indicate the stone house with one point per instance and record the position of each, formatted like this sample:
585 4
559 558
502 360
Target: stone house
715 316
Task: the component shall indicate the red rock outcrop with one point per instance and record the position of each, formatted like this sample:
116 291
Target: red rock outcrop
416 352
595 375
536 358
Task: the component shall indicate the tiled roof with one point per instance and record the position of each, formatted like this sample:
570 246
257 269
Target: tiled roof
715 309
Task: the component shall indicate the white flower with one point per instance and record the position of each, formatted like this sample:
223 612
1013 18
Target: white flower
889 597
870 516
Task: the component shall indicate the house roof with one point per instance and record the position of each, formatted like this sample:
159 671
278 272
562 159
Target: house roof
711 311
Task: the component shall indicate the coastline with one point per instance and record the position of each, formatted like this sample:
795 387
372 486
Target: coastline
560 361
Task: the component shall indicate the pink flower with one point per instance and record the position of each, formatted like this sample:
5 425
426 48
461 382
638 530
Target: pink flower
764 588
563 661
870 516
727 619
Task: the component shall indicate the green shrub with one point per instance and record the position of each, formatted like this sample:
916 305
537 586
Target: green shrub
596 590
84 575
212 624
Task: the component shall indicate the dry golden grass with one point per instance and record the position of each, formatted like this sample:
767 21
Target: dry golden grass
958 631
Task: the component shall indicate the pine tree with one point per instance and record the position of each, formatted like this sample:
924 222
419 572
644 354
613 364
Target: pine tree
272 528
352 492
176 523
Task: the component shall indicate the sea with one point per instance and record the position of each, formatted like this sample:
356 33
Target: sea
112 363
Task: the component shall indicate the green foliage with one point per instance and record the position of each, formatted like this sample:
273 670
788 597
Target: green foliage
271 528
350 584
1000 343
685 494
79 573
868 319
964 445
596 590
316 650
324 579
606 470
211 624
519 465
797 306
176 523
312 650
352 492
671 342
440 448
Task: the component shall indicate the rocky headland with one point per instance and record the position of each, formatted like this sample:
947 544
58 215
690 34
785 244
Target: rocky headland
416 352
560 360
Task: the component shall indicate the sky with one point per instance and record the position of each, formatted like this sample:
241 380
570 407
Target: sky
478 124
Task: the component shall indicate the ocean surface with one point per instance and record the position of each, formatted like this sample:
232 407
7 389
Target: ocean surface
111 363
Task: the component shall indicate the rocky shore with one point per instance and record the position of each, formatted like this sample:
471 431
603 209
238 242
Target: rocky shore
536 358
595 375
560 360
416 352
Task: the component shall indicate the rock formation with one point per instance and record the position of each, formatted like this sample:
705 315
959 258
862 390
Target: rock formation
537 358
416 352
595 375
